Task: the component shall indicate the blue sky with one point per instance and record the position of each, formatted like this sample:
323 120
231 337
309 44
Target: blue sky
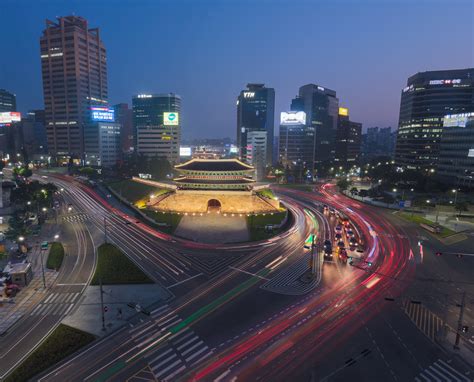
207 51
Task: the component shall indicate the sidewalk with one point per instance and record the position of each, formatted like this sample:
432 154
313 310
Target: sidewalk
465 351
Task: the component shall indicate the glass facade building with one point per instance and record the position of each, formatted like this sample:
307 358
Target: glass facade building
456 154
256 112
157 124
426 99
7 101
348 140
321 107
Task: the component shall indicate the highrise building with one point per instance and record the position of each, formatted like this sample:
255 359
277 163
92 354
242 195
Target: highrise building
426 99
124 116
7 101
256 112
456 154
321 107
378 142
296 142
34 133
348 140
74 69
157 124
256 152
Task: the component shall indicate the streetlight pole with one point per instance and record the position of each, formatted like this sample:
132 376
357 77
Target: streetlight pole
42 268
105 229
461 315
102 304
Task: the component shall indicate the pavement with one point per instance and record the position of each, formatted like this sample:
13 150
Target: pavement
213 228
86 316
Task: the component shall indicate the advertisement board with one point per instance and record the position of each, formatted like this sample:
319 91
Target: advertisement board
293 118
171 119
344 111
184 151
457 119
99 113
9 117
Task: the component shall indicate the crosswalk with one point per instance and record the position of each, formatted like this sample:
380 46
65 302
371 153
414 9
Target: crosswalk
183 350
428 322
76 218
56 304
441 371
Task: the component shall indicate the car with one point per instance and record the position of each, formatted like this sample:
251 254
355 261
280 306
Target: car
325 209
327 246
332 211
353 242
349 233
337 237
343 255
338 229
341 244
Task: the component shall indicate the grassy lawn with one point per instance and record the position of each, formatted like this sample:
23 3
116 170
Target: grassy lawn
134 192
56 256
171 220
266 193
421 220
113 267
256 225
62 342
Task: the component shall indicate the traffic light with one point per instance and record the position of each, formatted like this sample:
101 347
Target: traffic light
369 263
465 329
105 309
439 253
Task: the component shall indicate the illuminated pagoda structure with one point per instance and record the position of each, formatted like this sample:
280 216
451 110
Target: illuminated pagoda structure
211 174
213 185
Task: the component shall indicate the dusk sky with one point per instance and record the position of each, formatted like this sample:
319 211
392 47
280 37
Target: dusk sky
207 51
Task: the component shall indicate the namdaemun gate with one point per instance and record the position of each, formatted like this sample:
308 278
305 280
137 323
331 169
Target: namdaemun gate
213 186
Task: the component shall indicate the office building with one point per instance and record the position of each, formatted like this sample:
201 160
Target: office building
102 143
256 112
34 133
124 116
11 136
74 70
426 99
321 107
256 152
378 142
157 124
348 140
296 142
456 154
7 101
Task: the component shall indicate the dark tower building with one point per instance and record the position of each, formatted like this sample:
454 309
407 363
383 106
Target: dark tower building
256 112
321 107
426 99
7 101
124 116
348 140
74 68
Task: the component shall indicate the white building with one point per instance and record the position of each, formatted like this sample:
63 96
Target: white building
102 144
256 152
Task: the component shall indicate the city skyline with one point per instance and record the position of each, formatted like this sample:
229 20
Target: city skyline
215 54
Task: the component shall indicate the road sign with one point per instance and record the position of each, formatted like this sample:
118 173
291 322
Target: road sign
401 204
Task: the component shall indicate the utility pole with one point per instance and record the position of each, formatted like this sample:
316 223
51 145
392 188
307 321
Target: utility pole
461 315
105 229
42 268
102 304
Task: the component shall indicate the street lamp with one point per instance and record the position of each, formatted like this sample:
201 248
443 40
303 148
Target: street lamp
455 191
44 209
394 190
56 237
21 238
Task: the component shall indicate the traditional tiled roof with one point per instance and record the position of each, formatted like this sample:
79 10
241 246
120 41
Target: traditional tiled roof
214 165
214 181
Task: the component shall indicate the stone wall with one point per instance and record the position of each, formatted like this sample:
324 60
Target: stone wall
231 202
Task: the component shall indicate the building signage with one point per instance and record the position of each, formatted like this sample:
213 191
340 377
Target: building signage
470 154
249 94
233 149
9 117
457 119
445 82
293 118
344 111
144 96
99 113
184 151
170 119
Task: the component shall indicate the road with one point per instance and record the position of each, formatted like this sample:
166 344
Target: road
223 323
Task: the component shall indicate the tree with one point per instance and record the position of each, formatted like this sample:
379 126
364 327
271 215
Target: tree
461 206
17 227
353 191
363 193
343 184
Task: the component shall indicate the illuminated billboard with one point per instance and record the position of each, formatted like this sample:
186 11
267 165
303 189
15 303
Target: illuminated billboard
344 111
170 119
9 117
234 149
100 113
293 118
457 119
184 151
